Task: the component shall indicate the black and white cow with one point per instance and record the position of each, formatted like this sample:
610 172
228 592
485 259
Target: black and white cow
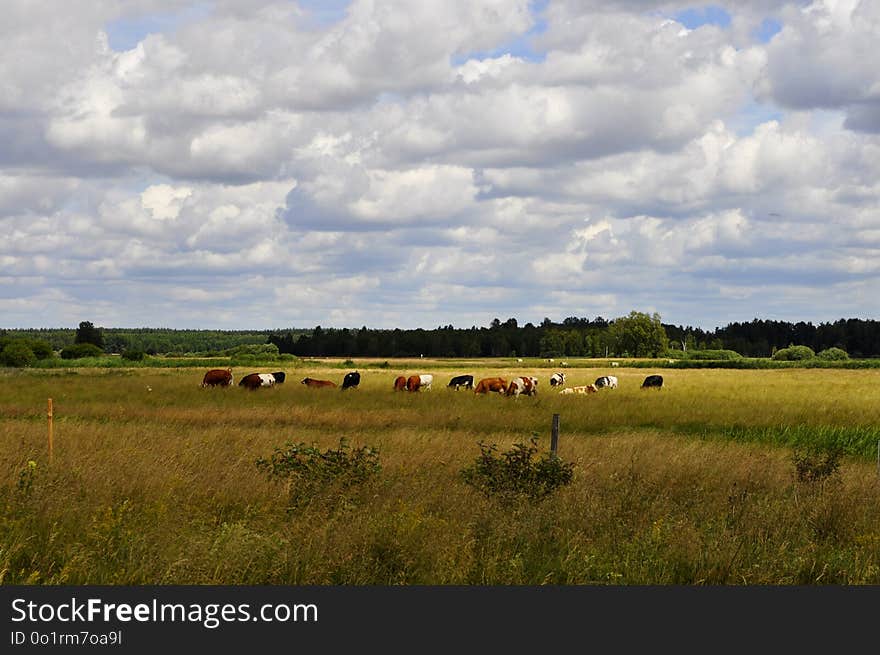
466 381
351 380
609 381
557 380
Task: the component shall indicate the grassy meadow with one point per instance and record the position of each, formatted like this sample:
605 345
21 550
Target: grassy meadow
153 479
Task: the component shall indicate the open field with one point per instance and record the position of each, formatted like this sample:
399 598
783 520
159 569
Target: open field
154 480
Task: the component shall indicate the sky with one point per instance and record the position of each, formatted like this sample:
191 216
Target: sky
243 164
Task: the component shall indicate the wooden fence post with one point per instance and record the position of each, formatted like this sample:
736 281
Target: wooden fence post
554 436
51 435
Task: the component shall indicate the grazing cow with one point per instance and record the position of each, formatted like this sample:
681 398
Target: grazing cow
254 381
279 377
515 387
653 382
351 380
417 382
557 380
218 377
466 381
615 364
584 389
494 385
609 381
312 382
400 383
527 386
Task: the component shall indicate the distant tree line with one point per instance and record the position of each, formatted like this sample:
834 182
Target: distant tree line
761 338
151 341
635 335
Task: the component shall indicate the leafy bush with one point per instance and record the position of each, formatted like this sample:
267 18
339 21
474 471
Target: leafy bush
18 354
713 354
514 474
80 350
257 350
42 349
308 471
794 354
133 355
833 354
816 463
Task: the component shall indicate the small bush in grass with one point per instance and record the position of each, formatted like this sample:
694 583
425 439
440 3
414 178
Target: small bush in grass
816 463
794 354
515 474
134 355
309 471
833 354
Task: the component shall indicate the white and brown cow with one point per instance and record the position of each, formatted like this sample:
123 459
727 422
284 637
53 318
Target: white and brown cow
254 381
523 385
419 382
583 389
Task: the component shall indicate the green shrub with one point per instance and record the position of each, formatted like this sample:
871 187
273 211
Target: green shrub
80 350
794 354
308 471
18 354
134 355
255 350
514 474
42 349
833 354
708 354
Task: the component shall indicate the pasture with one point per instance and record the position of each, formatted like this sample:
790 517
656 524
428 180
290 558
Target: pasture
154 481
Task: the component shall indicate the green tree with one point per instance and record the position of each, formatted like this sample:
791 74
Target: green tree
18 354
639 335
88 333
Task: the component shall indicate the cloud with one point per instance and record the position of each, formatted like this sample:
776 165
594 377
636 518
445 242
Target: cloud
823 58
441 162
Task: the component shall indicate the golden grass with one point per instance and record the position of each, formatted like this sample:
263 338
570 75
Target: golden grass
160 486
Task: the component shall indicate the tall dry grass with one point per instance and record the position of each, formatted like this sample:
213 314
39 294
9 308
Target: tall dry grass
693 484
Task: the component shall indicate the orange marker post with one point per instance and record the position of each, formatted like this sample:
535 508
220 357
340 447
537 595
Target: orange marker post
51 436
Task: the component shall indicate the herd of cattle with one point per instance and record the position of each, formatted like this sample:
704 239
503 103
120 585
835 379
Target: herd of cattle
521 385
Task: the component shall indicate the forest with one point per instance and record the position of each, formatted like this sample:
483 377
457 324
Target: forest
635 335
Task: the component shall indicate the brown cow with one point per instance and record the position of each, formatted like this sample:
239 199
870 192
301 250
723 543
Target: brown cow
496 385
311 382
218 377
400 383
